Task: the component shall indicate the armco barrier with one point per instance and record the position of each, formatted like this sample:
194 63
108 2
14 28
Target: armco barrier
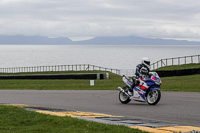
59 76
168 73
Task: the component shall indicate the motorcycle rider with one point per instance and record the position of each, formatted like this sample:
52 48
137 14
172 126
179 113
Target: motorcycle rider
142 70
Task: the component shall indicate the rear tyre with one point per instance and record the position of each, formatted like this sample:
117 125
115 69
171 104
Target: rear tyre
153 97
123 98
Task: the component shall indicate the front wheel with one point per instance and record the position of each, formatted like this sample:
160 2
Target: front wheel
153 97
123 98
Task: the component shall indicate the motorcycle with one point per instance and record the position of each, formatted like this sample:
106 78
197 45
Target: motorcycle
147 90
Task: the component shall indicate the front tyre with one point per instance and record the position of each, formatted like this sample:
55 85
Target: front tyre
123 98
153 97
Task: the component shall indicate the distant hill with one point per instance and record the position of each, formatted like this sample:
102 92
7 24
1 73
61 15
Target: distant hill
133 40
126 40
33 40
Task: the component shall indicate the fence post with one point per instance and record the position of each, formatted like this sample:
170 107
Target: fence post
191 59
163 63
198 58
185 60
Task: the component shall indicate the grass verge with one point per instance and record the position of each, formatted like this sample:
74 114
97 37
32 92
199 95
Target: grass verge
189 83
179 67
70 84
17 120
178 83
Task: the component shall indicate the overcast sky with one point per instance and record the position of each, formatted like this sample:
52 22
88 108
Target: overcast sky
177 19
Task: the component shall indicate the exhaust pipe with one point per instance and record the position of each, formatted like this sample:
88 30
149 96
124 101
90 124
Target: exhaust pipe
122 90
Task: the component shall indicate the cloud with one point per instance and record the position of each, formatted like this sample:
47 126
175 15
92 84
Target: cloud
90 18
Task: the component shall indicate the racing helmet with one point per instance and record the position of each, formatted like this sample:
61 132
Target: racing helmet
146 62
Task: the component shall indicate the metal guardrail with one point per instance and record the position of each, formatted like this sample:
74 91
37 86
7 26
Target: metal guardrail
77 67
58 76
176 61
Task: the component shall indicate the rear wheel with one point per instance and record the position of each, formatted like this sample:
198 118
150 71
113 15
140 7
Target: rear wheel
153 97
123 98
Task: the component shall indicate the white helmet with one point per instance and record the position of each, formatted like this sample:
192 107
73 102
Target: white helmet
146 62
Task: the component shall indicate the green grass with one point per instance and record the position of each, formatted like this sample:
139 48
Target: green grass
18 120
181 83
179 67
177 83
112 83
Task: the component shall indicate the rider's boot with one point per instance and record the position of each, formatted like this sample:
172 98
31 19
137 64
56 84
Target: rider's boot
130 91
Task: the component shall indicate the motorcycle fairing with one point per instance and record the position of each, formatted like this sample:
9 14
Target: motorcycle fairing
143 85
139 94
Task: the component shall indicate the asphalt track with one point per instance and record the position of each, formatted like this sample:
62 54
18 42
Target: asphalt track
181 108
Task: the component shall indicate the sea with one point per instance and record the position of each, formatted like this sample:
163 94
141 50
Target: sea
109 56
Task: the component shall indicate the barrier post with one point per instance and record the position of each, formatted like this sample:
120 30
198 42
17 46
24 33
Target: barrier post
191 59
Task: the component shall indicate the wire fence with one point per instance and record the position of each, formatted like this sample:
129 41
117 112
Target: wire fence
176 61
77 67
